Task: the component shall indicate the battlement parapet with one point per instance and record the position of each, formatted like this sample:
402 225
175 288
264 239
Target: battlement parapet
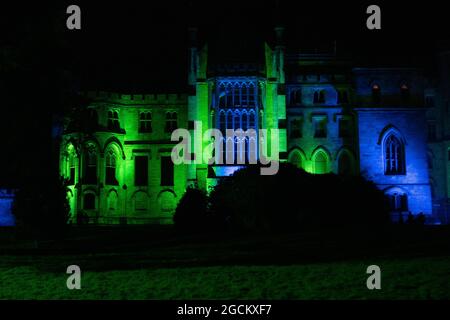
137 99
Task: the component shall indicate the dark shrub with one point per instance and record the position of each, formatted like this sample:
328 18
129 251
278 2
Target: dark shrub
191 214
293 199
42 213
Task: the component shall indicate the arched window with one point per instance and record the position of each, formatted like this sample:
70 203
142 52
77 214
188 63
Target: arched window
320 163
140 201
244 121
110 174
398 201
89 201
394 155
376 93
296 159
237 95
229 119
345 164
90 165
167 202
112 202
222 121
71 165
251 119
252 94
237 113
237 120
244 95
229 95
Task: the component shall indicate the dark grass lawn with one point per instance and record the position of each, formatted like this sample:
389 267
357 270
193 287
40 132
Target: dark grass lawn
155 263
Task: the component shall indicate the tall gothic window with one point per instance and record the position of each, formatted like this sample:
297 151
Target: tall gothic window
251 119
394 156
71 161
222 121
229 120
251 94
236 101
236 94
243 119
167 171
110 174
90 166
140 201
112 200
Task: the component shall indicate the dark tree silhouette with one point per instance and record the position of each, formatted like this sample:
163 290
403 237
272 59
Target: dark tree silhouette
191 214
295 200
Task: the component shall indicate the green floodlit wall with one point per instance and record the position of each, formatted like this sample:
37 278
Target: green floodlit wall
124 202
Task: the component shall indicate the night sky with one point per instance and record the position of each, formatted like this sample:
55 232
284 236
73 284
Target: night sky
131 47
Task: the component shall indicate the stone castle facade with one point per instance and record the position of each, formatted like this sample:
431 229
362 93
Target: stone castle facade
332 116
